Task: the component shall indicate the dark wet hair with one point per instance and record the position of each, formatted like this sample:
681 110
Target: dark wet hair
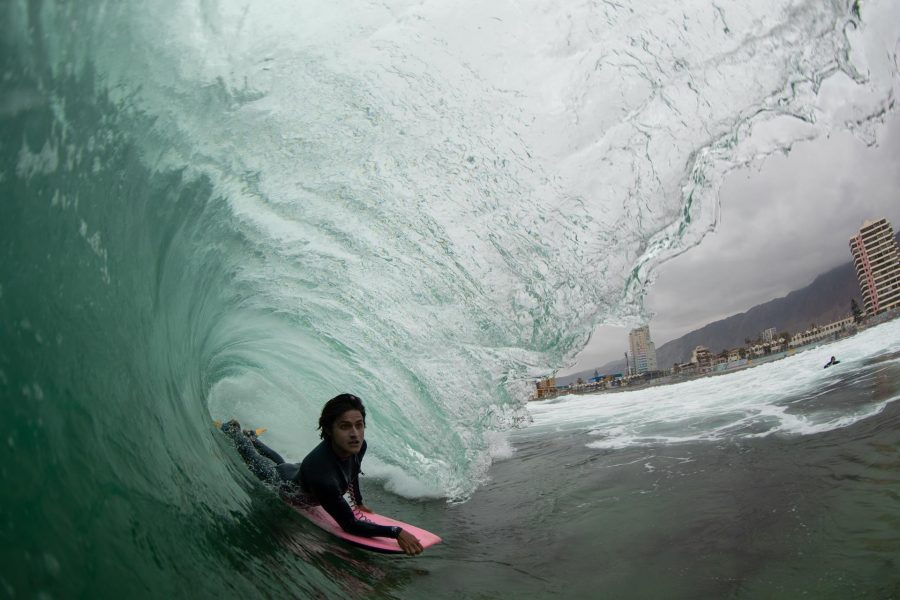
334 408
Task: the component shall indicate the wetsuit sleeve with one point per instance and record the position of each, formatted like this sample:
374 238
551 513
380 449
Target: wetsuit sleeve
357 494
334 504
354 483
321 478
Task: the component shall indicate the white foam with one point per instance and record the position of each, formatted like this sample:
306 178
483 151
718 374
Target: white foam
499 446
397 481
756 402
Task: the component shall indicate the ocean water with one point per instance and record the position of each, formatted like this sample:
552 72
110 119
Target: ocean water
778 482
233 209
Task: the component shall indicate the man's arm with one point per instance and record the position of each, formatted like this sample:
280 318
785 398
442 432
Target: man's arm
335 505
408 542
341 512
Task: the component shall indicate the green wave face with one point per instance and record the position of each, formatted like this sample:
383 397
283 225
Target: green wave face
216 210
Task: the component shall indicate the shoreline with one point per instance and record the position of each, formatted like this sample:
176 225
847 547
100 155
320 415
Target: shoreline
676 379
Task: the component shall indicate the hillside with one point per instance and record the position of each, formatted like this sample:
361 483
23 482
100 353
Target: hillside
824 300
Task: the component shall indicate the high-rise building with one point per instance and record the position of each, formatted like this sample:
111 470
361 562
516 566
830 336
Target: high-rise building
643 352
877 263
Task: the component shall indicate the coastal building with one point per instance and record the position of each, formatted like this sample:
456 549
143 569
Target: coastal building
825 332
768 335
687 368
546 388
766 348
877 262
643 351
779 345
701 357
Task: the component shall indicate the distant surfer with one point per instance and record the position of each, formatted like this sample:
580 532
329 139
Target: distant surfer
833 361
329 475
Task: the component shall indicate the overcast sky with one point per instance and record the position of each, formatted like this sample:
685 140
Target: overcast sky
782 224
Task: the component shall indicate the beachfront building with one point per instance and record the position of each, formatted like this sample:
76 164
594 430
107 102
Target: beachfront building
877 262
768 335
766 348
701 357
545 388
779 345
643 351
825 332
687 368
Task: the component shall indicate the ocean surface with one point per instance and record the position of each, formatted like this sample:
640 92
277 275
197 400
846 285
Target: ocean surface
237 209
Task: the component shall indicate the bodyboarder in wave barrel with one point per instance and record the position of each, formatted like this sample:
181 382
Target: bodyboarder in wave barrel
329 475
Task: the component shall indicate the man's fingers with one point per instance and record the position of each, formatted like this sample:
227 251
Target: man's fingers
409 543
411 547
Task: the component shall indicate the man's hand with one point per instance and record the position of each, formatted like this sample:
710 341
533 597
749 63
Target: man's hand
408 543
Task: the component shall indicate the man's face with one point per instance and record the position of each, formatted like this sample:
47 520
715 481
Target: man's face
348 433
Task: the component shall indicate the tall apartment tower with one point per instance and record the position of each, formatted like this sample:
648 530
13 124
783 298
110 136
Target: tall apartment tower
877 263
643 352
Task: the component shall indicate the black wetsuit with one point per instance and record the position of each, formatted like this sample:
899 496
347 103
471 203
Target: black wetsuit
322 478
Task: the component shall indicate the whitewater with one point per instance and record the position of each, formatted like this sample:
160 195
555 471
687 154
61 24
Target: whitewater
226 209
777 398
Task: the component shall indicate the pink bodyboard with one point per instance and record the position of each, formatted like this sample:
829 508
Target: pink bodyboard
319 517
